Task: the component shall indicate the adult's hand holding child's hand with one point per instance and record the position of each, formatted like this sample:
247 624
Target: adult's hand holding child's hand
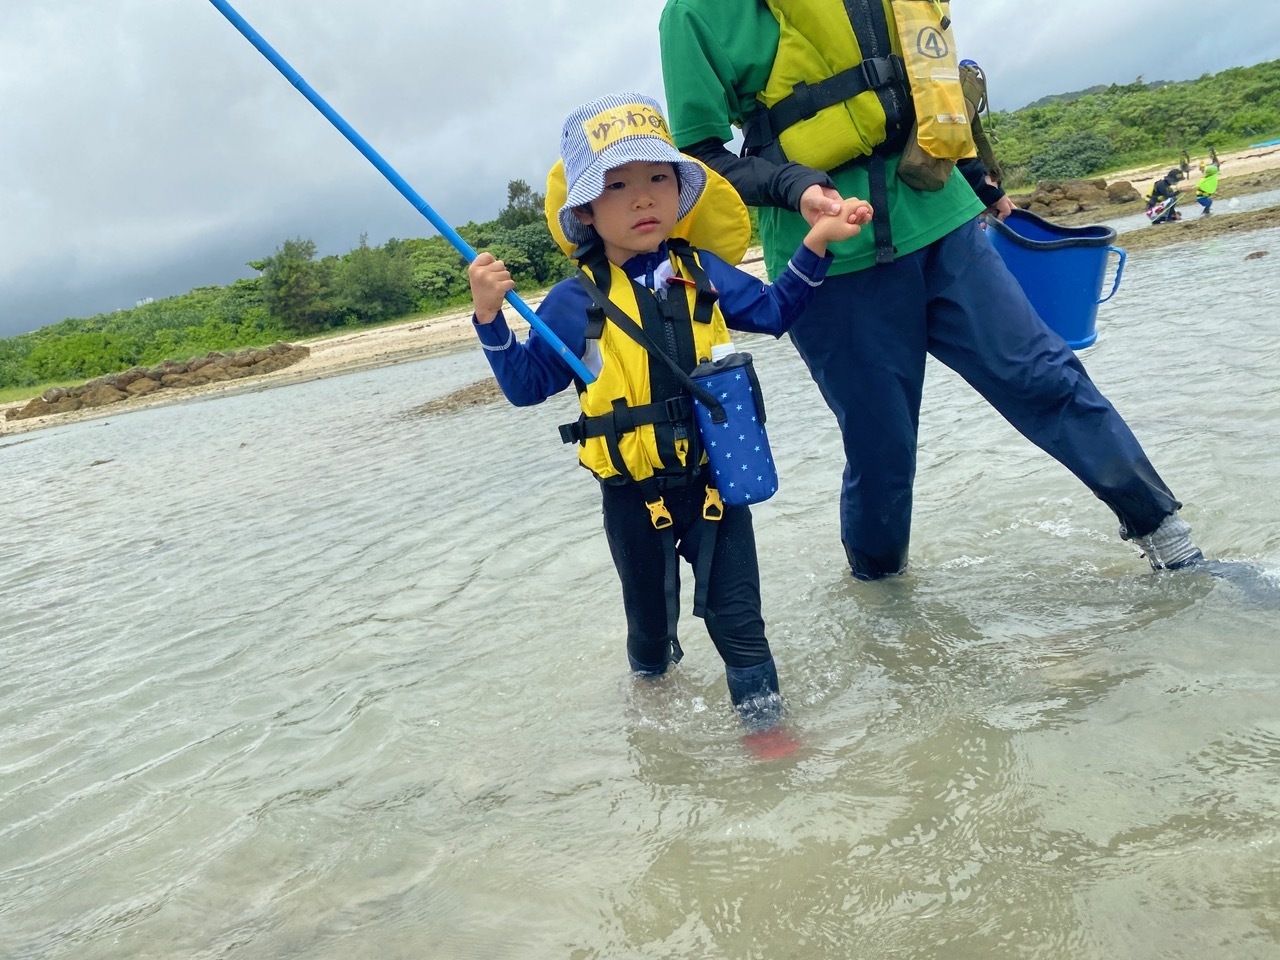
819 201
845 221
856 212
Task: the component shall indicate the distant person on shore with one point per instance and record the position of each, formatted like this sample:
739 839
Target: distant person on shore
1213 157
625 187
1185 164
1164 188
1206 187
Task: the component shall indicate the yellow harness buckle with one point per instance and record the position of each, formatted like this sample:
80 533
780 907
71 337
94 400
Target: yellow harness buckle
659 515
712 506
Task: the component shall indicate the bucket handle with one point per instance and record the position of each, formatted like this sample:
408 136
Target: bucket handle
1115 284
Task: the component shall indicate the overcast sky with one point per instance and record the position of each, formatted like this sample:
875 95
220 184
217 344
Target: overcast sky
148 148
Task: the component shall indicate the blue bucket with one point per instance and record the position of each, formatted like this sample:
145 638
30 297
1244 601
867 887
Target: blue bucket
1060 269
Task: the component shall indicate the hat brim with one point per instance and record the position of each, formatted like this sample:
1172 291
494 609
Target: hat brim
718 222
590 184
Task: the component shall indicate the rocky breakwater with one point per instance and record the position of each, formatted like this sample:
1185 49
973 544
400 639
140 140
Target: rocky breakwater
213 367
1061 198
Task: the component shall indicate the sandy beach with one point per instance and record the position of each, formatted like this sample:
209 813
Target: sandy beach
421 337
330 356
1236 164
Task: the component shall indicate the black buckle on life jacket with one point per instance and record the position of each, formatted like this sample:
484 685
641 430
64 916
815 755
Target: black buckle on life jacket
882 71
679 409
575 432
705 297
595 323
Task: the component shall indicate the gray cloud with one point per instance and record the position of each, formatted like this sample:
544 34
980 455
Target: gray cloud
149 148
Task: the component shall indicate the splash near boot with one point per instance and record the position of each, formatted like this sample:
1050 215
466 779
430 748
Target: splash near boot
754 692
1169 546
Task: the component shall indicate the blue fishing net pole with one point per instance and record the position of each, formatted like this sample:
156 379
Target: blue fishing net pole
395 179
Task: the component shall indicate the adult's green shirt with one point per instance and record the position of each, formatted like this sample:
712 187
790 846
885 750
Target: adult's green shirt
716 55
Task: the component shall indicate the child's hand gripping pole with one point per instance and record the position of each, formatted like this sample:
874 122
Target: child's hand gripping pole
395 179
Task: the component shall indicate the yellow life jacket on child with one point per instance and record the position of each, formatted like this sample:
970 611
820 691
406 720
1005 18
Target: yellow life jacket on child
637 417
839 88
613 442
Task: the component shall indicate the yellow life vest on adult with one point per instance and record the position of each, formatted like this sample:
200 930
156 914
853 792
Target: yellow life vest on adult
637 417
837 89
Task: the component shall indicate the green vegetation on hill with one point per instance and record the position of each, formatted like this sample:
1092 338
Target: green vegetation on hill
296 295
1109 128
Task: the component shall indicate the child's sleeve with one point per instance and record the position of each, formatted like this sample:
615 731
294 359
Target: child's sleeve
531 370
751 305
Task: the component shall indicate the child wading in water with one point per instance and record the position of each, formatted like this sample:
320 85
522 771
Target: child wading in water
1206 187
625 188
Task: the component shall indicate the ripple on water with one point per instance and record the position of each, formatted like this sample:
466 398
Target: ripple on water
351 683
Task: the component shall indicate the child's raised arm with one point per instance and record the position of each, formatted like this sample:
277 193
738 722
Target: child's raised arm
490 283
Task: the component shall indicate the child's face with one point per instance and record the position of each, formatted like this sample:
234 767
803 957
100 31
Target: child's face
637 210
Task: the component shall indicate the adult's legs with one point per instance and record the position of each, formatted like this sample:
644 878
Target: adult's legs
982 326
864 340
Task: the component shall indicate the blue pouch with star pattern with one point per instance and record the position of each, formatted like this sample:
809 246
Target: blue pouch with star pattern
737 448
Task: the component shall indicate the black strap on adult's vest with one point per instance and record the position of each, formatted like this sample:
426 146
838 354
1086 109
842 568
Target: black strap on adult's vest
765 125
881 71
871 28
878 180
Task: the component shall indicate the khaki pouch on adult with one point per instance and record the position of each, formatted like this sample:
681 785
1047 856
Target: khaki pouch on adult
941 134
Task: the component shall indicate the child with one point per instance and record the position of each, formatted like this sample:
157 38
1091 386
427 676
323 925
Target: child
626 187
1206 187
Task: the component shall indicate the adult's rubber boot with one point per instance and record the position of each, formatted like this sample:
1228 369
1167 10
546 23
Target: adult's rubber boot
1169 546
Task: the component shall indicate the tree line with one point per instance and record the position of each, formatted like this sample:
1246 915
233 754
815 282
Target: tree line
1110 128
297 295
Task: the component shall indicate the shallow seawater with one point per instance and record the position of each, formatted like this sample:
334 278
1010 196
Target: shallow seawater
1192 211
301 674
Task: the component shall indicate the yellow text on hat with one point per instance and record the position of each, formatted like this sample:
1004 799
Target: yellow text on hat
631 119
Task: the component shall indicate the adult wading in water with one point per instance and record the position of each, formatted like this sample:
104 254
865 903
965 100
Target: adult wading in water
920 279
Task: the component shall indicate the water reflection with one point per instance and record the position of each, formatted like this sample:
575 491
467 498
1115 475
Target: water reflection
297 674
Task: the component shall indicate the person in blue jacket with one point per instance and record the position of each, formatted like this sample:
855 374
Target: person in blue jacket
626 189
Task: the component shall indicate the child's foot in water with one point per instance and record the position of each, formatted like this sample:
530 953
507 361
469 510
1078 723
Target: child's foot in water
771 744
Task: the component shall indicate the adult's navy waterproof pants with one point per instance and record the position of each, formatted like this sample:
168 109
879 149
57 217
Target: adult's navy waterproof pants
864 340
